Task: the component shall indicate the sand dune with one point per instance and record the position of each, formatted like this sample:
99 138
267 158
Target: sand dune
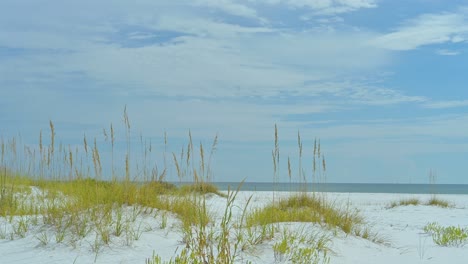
400 227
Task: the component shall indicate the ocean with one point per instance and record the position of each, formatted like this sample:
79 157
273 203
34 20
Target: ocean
348 187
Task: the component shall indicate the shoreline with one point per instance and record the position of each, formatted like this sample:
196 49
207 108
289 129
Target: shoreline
412 188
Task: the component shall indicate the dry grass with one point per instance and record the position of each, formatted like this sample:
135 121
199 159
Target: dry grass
201 188
404 202
307 208
64 190
71 198
433 201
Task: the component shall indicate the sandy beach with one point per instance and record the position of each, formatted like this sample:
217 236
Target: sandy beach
342 126
400 228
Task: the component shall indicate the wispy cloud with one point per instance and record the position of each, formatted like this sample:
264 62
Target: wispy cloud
237 68
260 74
446 104
427 29
383 96
447 52
329 7
445 127
230 7
208 58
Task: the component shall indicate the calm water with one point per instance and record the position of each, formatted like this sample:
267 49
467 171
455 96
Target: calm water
350 187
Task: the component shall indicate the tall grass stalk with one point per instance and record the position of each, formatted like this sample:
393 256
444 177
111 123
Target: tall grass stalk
52 145
71 200
301 174
289 174
276 158
79 205
112 134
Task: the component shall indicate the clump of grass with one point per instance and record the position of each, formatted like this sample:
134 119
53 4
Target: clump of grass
74 209
452 236
201 188
433 201
310 207
14 191
404 202
88 194
301 247
182 258
218 242
307 208
257 235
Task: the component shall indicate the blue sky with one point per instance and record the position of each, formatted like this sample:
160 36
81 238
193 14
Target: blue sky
381 83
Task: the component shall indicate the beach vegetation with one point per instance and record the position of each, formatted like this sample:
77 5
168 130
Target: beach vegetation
433 201
61 194
301 247
309 206
306 208
60 191
201 188
451 236
404 202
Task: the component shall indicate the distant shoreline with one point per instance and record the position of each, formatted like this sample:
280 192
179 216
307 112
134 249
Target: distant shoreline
345 187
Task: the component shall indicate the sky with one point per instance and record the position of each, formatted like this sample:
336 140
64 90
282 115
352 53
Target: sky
381 83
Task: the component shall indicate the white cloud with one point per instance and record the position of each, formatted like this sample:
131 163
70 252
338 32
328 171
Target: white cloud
215 60
218 60
382 96
360 93
446 104
335 51
325 7
204 27
446 52
230 7
427 29
224 60
417 129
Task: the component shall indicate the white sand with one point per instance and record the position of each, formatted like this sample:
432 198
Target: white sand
401 226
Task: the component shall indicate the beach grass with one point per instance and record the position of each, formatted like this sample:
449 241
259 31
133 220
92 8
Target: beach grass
451 236
433 201
60 195
404 202
64 192
306 208
201 188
